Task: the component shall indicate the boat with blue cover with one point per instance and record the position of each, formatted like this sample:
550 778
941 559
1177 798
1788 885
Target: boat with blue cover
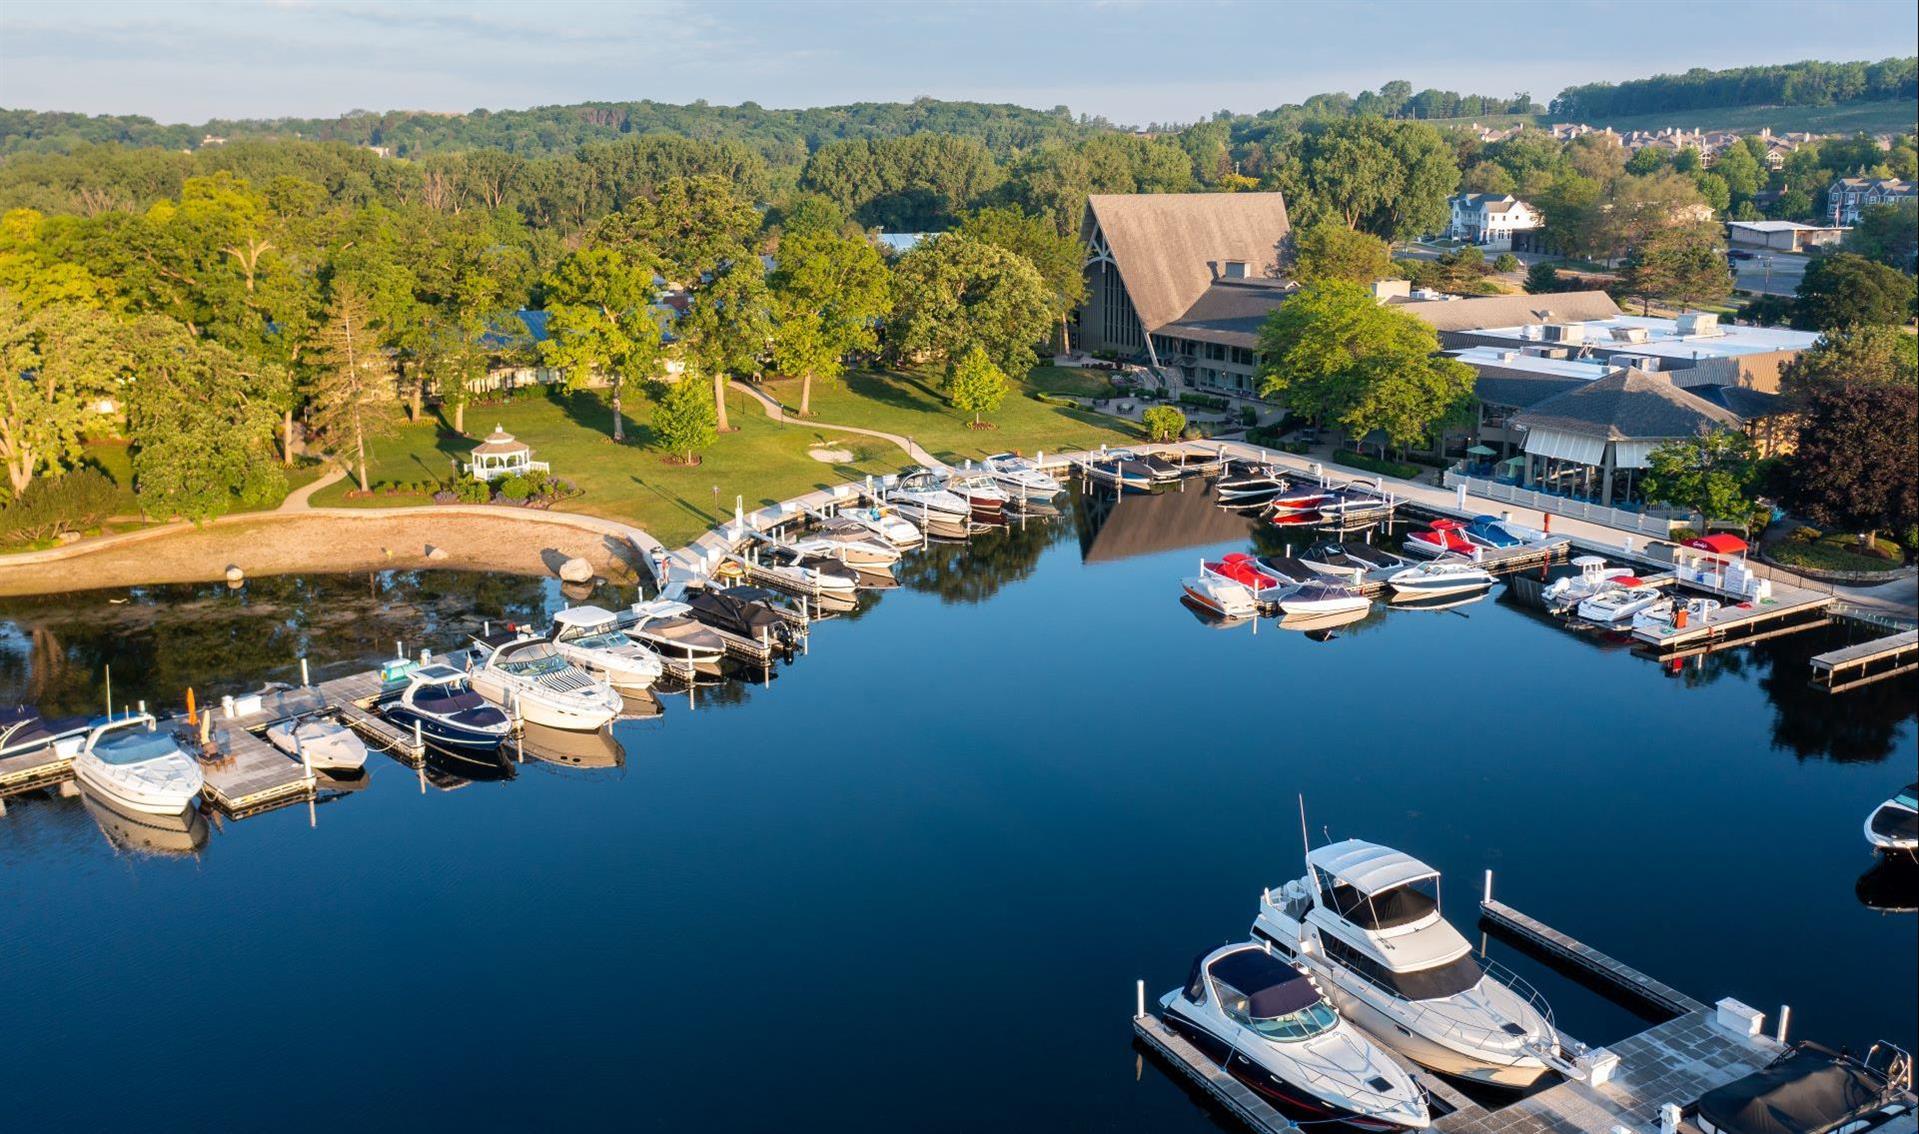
441 702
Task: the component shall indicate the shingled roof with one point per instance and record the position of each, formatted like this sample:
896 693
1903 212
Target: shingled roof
1481 312
1170 247
1627 406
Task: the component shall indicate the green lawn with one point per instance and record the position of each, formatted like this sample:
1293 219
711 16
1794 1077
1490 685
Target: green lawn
1888 116
1831 554
910 405
1071 381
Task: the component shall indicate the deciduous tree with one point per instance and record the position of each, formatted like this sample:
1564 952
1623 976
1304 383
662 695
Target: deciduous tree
1856 467
1712 474
601 324
954 293
829 292
1845 290
976 385
684 421
353 379
1327 251
55 363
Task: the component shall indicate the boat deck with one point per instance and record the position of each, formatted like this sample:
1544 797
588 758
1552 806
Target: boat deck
1739 625
1836 671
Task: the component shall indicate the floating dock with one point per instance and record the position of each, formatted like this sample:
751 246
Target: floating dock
1789 612
1836 671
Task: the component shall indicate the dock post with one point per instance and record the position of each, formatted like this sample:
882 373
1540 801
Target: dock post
419 745
1489 886
399 651
143 707
305 678
1139 1000
1785 1016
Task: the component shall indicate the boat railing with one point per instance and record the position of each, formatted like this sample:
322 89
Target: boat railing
1435 1022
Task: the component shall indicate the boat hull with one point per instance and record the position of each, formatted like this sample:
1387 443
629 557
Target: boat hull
132 798
1296 1102
1426 1052
443 733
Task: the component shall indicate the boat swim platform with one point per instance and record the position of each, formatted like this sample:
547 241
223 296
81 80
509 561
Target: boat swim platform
1850 667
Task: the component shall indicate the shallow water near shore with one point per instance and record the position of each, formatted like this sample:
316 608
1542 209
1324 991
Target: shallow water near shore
908 882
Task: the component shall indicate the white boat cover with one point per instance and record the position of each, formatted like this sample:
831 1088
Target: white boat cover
1368 867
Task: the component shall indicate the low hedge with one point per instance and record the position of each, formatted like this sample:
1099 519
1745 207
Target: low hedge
1357 460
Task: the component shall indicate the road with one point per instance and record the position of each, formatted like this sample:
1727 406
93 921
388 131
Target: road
1770 273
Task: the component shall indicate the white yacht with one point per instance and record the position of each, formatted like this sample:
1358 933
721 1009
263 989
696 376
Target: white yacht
981 491
850 543
530 677
1568 591
1365 922
319 742
1265 1022
590 637
135 763
1668 615
1441 577
921 496
1618 602
880 520
1021 477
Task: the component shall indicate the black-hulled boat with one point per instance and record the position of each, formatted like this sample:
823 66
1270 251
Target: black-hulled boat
744 611
450 715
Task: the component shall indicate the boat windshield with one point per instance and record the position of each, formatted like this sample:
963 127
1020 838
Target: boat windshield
1394 906
134 746
1288 1027
1434 983
534 666
1907 799
600 640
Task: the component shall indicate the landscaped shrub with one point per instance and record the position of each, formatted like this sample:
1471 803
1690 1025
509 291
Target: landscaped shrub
55 504
1163 423
1248 415
470 491
1357 460
516 489
1204 401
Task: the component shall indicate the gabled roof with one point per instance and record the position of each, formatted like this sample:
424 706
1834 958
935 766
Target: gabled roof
1368 867
1230 311
1481 312
1748 403
1630 405
1170 246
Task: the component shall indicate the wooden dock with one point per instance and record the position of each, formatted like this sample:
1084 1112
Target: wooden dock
1228 1092
28 771
245 774
1739 625
1836 671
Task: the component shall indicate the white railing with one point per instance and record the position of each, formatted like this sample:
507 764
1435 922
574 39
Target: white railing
1641 522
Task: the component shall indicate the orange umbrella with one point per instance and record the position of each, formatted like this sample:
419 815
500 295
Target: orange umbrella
191 718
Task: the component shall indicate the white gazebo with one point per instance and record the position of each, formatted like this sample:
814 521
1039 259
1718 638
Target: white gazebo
500 455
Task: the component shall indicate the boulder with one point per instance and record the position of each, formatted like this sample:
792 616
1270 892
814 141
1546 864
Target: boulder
234 574
576 570
433 552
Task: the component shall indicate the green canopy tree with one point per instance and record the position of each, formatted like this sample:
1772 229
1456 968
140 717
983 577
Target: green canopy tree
954 293
1862 353
601 324
828 294
202 431
1683 265
1845 289
54 364
1888 234
684 421
1057 257
1856 467
353 379
976 385
1711 474
1328 251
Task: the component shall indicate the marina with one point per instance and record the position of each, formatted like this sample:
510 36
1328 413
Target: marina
1850 667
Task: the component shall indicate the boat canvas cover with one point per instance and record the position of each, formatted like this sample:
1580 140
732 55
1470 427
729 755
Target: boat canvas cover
1369 867
1807 1091
1273 988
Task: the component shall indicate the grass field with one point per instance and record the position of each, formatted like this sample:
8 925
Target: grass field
763 461
1891 116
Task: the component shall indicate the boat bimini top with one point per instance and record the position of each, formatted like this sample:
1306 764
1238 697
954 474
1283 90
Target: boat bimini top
589 627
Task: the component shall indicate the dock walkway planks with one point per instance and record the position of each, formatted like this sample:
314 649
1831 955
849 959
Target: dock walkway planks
244 773
1576 952
25 771
1852 666
1229 1092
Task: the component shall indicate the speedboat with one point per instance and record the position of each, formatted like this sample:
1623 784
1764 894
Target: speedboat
1121 469
982 492
532 679
1364 923
880 520
1299 498
1441 537
810 574
921 496
1352 504
1247 484
1245 570
1812 1089
745 612
441 702
1163 469
1894 824
1312 598
1288 570
1440 578
1669 615
1223 596
1021 478
849 542
23 729
137 764
668 626
1619 602
1266 1023
319 742
1349 560
1568 591
1491 532
590 637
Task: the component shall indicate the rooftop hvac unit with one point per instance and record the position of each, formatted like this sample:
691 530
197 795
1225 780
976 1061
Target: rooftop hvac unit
1565 333
1558 352
1629 334
1700 325
1634 362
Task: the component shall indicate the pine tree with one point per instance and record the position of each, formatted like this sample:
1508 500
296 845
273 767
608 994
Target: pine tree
353 379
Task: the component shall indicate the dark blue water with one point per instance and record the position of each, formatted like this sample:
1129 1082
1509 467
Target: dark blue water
910 882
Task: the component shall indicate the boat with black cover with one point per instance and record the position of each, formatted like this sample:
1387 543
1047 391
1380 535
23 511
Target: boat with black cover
747 612
1812 1089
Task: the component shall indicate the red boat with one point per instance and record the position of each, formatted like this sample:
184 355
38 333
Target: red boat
1245 570
1441 537
1294 519
1300 499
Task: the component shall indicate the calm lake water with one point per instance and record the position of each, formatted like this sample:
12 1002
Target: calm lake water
907 884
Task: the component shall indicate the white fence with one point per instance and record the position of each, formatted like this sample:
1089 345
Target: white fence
1644 523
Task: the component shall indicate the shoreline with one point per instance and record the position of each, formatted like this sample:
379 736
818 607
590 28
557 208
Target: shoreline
475 538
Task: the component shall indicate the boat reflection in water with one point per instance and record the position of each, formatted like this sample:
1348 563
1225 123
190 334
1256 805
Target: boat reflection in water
641 705
143 833
1212 619
445 765
1436 602
1891 886
571 748
1319 627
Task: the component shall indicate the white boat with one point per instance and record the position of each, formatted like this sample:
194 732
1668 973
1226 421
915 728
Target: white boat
982 491
851 543
921 496
1021 477
805 574
1265 1022
135 763
1440 577
1365 923
319 742
1666 615
882 521
1594 575
590 637
668 626
531 679
1221 595
1618 602
1894 824
1311 598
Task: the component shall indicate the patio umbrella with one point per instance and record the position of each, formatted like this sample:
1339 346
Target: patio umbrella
1482 451
1513 462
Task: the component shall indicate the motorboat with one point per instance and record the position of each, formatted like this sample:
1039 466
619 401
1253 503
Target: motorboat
849 542
590 637
1299 498
1894 824
1288 569
1022 478
1165 470
1352 503
745 612
880 520
1618 602
980 490
1221 595
1594 575
1441 537
535 682
135 763
1311 598
1670 615
1492 533
1350 559
1244 484
808 574
1812 1089
1365 924
319 742
681 640
441 703
1245 570
1265 1022
921 496
1440 577
1121 469
23 729
1320 627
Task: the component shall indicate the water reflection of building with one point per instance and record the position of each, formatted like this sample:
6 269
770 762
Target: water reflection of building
1112 528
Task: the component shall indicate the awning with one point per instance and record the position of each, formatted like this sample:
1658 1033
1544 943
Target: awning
1633 454
1719 543
1482 451
1566 446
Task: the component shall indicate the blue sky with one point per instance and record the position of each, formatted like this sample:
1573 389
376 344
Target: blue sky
1130 60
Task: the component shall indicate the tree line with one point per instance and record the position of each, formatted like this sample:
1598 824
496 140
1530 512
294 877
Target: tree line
1808 83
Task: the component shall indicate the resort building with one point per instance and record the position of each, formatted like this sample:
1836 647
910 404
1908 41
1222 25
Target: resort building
1490 219
1594 441
1696 349
1782 235
1847 197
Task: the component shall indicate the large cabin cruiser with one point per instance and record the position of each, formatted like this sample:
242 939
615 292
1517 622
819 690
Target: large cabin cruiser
590 637
921 496
980 490
439 700
1365 922
1021 478
135 763
532 679
1265 1022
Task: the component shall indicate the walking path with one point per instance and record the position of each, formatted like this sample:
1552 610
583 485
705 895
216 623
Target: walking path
778 413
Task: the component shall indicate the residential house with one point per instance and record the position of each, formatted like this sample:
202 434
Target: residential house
1847 197
1490 219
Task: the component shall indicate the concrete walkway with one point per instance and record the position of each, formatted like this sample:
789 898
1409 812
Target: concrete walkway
296 500
778 413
